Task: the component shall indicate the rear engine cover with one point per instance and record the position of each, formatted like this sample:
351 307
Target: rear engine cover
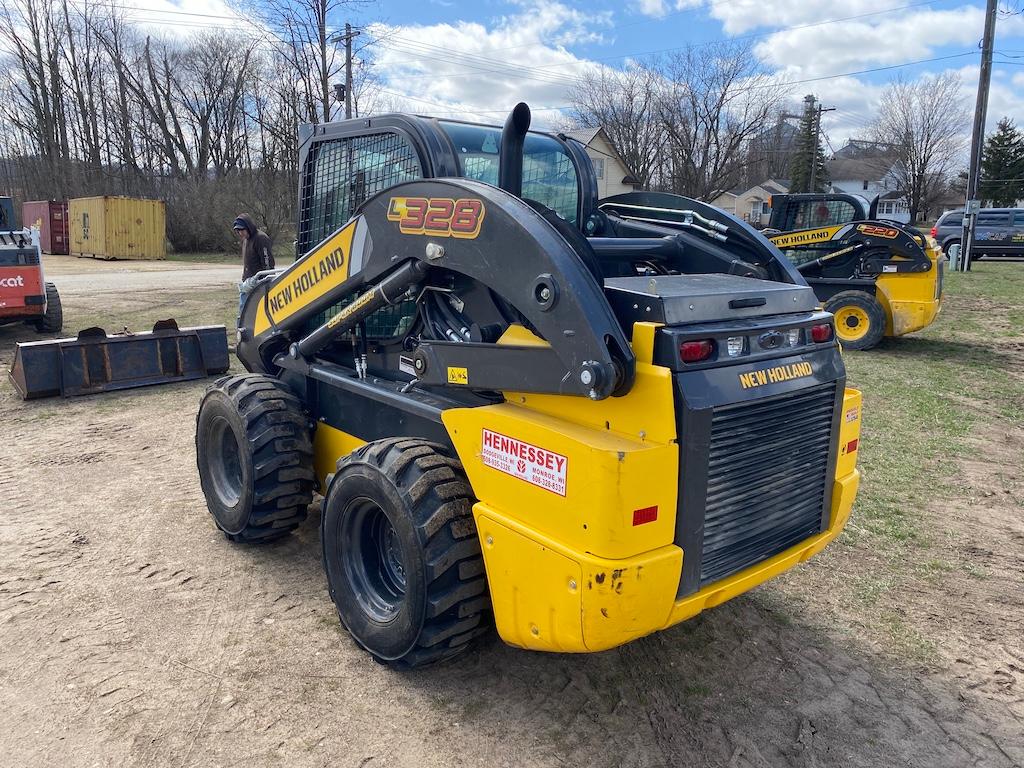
685 299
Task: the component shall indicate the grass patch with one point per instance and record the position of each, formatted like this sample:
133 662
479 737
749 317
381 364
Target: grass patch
929 400
924 394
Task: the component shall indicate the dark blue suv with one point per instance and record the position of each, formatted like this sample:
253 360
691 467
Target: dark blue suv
998 231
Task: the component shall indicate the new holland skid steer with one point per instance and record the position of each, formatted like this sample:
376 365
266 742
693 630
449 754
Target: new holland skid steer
878 277
521 408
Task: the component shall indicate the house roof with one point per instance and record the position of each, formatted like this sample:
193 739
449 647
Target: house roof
771 186
775 187
587 135
893 195
583 135
867 169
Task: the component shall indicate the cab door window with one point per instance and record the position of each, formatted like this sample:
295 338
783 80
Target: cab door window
812 214
345 173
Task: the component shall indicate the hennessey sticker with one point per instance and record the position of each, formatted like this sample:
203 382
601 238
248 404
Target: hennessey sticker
538 466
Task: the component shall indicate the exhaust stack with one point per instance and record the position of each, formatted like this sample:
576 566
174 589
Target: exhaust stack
510 161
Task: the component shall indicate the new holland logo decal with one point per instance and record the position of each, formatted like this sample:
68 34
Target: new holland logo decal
775 375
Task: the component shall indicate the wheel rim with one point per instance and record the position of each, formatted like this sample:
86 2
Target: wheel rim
225 462
373 563
852 323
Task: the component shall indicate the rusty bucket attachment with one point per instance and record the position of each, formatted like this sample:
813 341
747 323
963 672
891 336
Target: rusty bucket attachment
97 362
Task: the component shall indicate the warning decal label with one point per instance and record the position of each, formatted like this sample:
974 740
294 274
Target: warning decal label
537 466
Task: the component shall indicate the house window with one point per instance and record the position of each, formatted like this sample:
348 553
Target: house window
599 167
766 208
865 185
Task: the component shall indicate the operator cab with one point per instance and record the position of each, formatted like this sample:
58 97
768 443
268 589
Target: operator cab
637 235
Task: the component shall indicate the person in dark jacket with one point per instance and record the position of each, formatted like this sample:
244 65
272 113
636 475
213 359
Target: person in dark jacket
257 254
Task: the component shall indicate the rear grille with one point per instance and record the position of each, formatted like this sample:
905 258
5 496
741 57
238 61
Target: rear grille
767 470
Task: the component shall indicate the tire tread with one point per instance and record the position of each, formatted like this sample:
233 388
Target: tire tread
278 433
441 501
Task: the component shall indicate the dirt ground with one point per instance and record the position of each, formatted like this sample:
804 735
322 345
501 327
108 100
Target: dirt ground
134 634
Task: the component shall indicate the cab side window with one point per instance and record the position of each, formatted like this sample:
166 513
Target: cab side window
344 173
341 175
809 214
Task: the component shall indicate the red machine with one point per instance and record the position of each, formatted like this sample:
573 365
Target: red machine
25 296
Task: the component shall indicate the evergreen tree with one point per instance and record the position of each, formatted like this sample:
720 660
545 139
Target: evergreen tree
808 148
1002 165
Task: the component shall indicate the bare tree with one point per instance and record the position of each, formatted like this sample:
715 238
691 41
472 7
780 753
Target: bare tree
315 52
625 104
926 120
714 99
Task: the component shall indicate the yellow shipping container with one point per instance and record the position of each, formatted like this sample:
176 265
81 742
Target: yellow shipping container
117 228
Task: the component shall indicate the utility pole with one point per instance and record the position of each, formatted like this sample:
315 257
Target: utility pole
817 137
810 109
348 35
972 204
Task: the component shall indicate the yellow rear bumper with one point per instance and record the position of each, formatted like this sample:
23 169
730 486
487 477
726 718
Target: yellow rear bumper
909 316
549 598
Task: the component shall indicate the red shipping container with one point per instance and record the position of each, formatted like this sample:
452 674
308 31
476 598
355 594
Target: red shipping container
51 216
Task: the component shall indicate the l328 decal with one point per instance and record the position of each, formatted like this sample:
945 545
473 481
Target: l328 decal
439 216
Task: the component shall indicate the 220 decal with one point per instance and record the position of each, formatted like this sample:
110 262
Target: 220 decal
439 216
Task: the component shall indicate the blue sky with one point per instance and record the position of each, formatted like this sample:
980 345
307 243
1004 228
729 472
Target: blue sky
475 60
534 47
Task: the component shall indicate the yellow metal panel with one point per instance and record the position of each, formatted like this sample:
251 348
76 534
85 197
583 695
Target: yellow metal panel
646 412
118 228
329 445
86 226
309 278
643 341
849 431
548 597
909 298
606 477
534 590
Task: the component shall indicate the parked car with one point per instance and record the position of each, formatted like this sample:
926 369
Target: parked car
998 231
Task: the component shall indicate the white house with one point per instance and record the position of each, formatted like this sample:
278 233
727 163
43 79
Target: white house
865 168
753 205
613 177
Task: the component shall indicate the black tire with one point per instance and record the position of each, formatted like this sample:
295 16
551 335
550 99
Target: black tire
53 320
400 549
947 245
255 457
860 319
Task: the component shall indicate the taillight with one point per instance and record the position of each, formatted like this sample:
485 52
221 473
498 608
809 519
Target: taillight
935 232
695 351
821 333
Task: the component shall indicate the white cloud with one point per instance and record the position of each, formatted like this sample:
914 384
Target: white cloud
473 71
857 45
187 17
660 8
656 8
